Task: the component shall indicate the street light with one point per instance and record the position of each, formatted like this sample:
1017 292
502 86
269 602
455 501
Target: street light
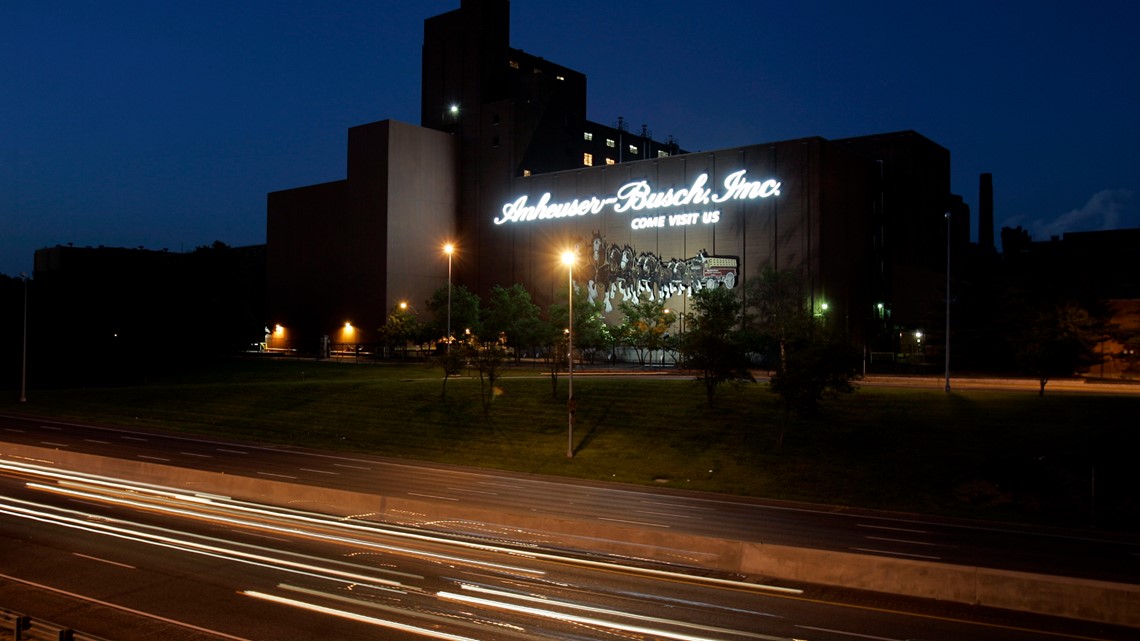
947 302
568 260
24 355
449 249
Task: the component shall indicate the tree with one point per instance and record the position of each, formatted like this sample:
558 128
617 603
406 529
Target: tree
645 327
1059 341
464 312
402 327
591 333
811 357
512 315
556 354
452 361
713 345
490 360
777 313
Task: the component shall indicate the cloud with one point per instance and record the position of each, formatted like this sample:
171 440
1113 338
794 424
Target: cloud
1105 210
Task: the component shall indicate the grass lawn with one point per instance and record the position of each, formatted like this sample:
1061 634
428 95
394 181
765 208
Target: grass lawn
1062 459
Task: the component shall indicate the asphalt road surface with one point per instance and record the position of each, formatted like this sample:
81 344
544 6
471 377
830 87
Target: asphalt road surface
127 561
1082 554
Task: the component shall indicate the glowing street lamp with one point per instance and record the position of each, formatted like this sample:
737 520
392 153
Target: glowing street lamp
449 249
568 259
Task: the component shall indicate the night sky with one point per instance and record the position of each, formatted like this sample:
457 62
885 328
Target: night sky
165 124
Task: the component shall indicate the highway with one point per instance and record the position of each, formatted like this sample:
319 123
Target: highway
1083 554
208 567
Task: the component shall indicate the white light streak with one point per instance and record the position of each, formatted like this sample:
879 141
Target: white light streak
352 616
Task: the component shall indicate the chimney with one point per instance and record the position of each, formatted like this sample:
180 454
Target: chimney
986 212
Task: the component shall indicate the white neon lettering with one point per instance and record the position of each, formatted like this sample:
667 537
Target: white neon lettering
638 196
737 188
519 211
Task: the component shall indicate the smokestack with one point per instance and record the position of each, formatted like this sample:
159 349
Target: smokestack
986 212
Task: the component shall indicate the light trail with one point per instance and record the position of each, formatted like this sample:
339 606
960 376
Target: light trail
352 616
606 611
310 518
595 621
295 523
120 529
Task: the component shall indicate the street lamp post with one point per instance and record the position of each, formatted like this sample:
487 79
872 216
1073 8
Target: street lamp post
448 249
24 354
947 302
568 260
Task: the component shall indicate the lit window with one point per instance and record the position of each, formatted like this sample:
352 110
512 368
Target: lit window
661 153
560 77
610 142
587 135
611 161
514 64
588 160
633 149
526 172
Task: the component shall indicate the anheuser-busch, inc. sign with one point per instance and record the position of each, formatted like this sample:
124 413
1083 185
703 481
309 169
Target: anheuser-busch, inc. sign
639 197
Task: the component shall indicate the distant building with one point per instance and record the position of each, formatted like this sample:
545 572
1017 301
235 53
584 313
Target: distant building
507 166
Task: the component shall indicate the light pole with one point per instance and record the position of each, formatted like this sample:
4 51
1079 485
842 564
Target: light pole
568 260
947 302
448 249
24 355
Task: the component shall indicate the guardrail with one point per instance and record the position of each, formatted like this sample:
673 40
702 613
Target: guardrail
21 627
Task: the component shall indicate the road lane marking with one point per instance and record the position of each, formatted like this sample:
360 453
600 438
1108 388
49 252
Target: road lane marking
148 615
54 444
433 496
669 514
95 440
195 454
231 451
893 553
280 476
306 469
133 438
463 489
849 634
95 558
354 467
603 518
51 427
883 538
154 458
12 429
894 529
678 506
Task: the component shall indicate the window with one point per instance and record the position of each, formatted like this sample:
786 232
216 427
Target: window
588 159
633 149
526 172
514 64
560 77
661 153
587 135
610 142
611 161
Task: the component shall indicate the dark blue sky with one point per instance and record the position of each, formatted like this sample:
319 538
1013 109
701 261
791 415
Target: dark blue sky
164 124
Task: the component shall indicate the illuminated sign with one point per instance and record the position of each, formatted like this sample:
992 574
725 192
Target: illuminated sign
639 197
